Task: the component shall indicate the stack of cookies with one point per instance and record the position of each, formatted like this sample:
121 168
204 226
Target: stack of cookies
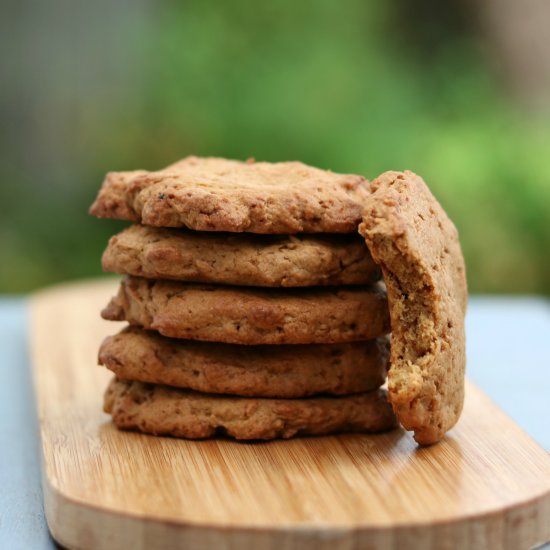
254 307
255 310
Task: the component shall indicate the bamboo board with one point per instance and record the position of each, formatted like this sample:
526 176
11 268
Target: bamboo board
486 486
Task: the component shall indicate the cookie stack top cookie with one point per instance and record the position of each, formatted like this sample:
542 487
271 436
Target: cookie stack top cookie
213 194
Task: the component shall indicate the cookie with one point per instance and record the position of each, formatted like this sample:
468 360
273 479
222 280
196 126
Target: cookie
259 371
417 246
161 410
247 315
214 194
240 258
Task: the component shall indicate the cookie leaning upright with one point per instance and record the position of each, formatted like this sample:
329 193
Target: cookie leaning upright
214 194
416 244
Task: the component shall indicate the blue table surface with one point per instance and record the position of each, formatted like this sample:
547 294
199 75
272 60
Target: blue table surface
508 343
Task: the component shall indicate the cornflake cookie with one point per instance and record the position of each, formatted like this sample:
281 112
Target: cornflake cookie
214 194
239 258
260 371
161 410
417 246
245 315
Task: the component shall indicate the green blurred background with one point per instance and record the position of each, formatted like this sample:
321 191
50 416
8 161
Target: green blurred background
457 91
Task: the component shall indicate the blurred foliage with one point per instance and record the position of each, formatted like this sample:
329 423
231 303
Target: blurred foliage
341 85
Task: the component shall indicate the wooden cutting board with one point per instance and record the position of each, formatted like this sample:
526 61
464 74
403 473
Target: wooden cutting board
486 486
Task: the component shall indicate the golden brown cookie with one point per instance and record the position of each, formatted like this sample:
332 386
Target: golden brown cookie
240 258
161 410
247 315
259 371
415 243
214 194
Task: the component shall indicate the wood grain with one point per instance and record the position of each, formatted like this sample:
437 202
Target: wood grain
486 486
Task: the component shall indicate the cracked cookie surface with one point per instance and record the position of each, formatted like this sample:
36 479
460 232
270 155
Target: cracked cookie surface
417 247
161 410
240 258
259 371
214 194
247 315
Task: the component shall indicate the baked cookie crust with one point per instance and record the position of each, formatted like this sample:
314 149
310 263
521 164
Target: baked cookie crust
161 410
247 315
214 194
258 371
241 258
417 247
